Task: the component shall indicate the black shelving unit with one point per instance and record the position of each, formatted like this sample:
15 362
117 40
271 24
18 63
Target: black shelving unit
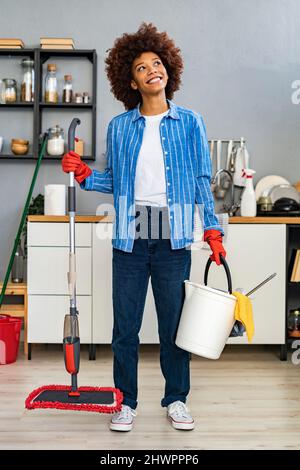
40 56
292 288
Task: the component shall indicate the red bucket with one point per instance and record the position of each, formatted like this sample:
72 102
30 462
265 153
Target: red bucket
10 328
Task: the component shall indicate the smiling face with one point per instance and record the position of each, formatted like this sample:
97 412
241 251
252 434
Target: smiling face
149 74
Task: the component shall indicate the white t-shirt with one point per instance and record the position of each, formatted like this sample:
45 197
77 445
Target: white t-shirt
150 181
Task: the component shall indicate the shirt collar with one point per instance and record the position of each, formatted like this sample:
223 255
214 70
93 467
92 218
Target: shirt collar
173 113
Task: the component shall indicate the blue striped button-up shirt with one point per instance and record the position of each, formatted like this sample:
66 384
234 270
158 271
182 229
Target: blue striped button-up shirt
187 171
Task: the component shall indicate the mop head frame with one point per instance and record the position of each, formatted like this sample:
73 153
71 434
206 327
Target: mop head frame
93 399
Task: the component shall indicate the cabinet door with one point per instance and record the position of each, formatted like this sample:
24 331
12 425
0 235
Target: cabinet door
48 267
254 251
46 315
102 291
57 234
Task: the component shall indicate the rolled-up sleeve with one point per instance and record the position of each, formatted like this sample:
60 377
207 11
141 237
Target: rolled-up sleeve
203 194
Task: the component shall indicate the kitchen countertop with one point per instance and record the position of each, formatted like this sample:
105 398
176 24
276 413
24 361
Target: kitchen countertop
110 218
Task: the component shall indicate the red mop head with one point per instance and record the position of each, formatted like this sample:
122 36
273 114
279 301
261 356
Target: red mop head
96 399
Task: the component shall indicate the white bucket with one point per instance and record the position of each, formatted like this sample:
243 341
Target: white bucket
207 318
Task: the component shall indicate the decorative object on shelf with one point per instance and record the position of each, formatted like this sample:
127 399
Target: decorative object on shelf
57 43
294 323
10 90
19 146
27 85
78 98
86 97
56 143
79 147
67 90
51 89
55 199
11 43
17 271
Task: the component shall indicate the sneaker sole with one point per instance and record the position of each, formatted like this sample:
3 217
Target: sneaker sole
121 427
182 426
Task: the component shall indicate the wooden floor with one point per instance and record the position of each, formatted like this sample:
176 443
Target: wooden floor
246 400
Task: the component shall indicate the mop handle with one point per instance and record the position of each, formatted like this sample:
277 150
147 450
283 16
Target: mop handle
261 284
72 211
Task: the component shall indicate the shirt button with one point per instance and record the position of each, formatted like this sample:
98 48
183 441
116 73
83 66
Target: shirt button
171 217
162 123
169 200
164 138
169 184
168 167
166 152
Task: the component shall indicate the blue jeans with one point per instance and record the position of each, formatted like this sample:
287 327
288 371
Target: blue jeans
151 257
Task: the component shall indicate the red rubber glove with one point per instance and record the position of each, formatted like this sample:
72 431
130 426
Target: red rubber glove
72 162
214 239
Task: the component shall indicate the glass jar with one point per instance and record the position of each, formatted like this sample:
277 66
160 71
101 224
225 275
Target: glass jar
51 89
27 85
56 143
78 98
17 271
294 323
68 89
10 90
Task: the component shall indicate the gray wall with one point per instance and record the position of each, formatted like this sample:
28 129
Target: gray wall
240 56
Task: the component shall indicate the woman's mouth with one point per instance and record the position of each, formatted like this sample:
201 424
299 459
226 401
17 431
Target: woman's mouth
154 80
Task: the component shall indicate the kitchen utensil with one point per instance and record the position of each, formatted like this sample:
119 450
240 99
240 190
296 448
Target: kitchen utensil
1 143
219 191
266 183
286 204
225 180
264 204
241 162
212 150
283 190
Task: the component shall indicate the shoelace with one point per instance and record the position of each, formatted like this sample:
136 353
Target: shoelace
125 413
179 408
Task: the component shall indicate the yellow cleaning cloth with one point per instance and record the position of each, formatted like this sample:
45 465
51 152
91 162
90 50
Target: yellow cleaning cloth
243 313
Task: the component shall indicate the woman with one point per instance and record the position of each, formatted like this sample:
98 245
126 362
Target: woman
158 167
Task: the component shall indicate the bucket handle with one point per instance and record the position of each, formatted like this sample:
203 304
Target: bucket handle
228 275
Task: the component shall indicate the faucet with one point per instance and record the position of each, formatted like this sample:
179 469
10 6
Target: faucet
232 207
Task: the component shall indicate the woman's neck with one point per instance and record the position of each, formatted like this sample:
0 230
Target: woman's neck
153 105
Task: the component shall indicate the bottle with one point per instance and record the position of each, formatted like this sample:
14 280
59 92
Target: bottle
294 323
18 265
27 85
51 91
248 202
67 90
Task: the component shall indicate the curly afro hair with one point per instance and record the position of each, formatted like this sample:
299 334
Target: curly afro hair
129 46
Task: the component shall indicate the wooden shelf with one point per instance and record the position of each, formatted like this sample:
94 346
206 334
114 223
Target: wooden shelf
40 57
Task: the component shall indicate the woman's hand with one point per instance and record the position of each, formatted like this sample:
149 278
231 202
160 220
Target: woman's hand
72 162
214 239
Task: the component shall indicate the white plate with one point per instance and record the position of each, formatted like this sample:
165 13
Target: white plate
267 182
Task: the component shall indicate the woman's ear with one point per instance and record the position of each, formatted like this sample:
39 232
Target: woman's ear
133 84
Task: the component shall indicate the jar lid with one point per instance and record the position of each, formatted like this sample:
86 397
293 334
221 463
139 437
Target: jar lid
27 61
68 77
12 81
55 128
51 67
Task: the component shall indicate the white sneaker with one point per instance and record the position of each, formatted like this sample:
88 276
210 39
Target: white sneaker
179 416
123 420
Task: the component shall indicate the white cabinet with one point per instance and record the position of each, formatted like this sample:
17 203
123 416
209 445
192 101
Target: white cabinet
48 295
254 251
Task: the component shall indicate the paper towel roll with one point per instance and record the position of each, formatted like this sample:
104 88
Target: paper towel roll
55 199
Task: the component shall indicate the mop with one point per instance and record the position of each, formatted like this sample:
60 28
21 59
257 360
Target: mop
64 397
